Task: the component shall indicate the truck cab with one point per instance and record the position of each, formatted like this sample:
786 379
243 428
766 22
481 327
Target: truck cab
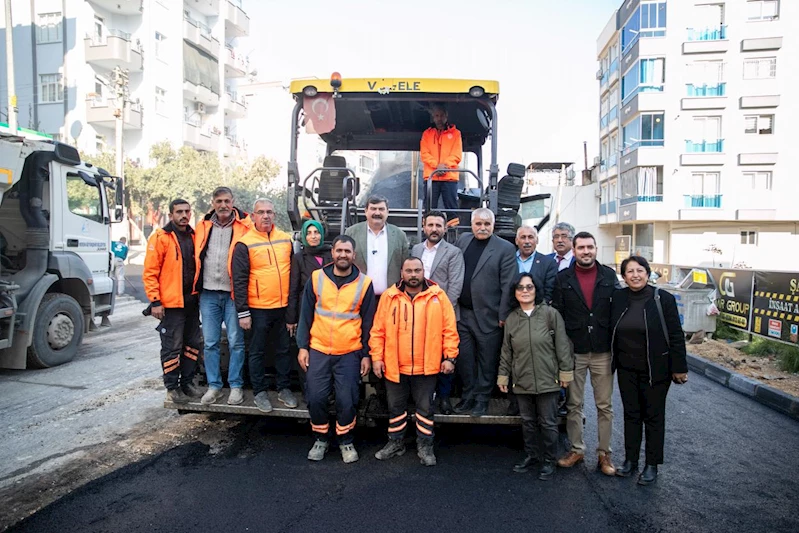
55 259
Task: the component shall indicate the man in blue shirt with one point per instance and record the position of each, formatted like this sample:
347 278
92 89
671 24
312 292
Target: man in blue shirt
120 250
543 268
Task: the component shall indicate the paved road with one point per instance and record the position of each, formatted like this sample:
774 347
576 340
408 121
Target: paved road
731 466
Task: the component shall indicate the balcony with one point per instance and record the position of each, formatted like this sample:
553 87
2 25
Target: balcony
706 40
635 145
701 91
234 148
237 23
704 201
757 159
200 137
703 153
120 7
102 112
113 49
236 64
199 35
235 107
716 146
199 93
613 165
643 199
614 72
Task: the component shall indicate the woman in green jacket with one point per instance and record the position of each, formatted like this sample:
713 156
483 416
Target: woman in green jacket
536 357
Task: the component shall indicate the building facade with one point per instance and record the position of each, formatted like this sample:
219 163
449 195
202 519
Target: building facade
174 63
698 112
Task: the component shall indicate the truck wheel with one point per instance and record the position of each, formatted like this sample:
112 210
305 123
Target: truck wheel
57 333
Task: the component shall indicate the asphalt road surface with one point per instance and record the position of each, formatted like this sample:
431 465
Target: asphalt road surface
731 465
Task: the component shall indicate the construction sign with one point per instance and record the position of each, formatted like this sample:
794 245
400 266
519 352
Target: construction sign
775 306
733 296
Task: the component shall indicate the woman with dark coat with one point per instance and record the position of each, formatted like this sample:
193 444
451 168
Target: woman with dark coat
648 347
313 256
536 358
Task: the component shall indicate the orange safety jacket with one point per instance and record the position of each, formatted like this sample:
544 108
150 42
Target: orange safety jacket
337 322
163 269
269 257
441 147
412 337
241 225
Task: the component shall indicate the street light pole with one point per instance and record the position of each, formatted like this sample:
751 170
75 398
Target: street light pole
121 81
12 93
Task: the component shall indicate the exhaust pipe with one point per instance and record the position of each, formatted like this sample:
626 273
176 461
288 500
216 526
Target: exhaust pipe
31 190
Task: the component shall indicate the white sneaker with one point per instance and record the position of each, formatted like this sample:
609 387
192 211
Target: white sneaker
318 451
236 396
348 453
211 396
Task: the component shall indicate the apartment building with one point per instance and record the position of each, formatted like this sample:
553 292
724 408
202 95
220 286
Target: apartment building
698 114
175 63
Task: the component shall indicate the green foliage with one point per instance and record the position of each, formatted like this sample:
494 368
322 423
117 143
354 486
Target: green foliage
725 332
787 356
193 175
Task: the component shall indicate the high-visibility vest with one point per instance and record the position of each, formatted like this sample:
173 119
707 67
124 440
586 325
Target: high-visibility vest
270 267
336 326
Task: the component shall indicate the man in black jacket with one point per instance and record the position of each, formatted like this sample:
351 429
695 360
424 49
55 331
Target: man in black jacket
582 295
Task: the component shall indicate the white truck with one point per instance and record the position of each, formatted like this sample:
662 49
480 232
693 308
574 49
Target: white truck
55 250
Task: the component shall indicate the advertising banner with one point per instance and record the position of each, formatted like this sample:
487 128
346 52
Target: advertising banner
733 296
775 308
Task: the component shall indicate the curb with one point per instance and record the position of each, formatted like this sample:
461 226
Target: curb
768 396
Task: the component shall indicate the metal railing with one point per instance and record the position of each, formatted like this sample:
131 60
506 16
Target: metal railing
718 33
703 200
716 146
720 89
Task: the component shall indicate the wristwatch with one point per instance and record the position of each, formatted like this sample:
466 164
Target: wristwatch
450 360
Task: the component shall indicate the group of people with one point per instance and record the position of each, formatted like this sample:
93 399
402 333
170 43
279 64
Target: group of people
493 314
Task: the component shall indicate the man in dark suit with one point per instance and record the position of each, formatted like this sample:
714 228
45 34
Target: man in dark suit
443 263
484 306
562 236
543 267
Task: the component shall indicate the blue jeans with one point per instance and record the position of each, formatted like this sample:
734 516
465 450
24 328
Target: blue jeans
217 307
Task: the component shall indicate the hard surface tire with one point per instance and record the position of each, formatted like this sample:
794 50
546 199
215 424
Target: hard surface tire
41 354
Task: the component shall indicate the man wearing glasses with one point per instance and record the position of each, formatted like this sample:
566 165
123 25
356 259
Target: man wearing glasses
261 266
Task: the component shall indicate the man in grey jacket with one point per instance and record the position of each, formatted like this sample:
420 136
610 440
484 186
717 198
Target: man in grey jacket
382 247
443 263
484 306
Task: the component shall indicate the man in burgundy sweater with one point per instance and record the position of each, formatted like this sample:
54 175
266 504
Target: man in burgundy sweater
582 295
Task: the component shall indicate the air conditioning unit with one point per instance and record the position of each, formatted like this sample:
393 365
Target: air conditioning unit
598 193
199 107
599 74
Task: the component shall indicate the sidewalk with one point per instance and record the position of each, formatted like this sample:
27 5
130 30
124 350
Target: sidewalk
133 282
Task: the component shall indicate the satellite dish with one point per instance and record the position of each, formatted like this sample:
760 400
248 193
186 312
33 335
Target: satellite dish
76 129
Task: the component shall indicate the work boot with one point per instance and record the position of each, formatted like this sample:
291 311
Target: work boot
318 450
480 409
236 396
424 449
547 471
649 475
464 406
570 459
348 453
176 396
525 465
191 390
262 402
211 396
287 398
393 448
445 406
627 469
605 466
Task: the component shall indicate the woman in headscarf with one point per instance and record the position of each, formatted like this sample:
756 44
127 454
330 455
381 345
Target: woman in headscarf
313 256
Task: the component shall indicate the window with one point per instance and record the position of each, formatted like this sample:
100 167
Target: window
614 105
366 165
644 130
705 135
99 29
707 23
614 57
603 158
613 150
48 27
760 181
759 124
159 45
760 68
603 112
83 198
706 78
648 21
646 75
763 9
51 88
706 183
160 101
99 143
642 184
749 238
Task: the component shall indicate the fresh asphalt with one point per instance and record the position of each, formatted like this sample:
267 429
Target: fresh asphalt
731 465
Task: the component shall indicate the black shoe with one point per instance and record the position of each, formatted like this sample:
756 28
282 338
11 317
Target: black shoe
513 408
525 465
562 412
547 471
649 475
464 406
445 406
480 409
627 469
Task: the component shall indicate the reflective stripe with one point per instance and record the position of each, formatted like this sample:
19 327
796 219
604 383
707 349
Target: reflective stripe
358 290
422 429
398 428
424 420
398 418
341 430
268 243
172 361
333 314
190 356
320 428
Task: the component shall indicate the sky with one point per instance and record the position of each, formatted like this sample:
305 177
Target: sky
543 53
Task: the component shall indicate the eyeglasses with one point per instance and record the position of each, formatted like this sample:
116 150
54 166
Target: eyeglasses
528 288
262 213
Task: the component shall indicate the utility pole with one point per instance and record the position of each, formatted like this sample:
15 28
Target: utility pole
12 92
121 82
